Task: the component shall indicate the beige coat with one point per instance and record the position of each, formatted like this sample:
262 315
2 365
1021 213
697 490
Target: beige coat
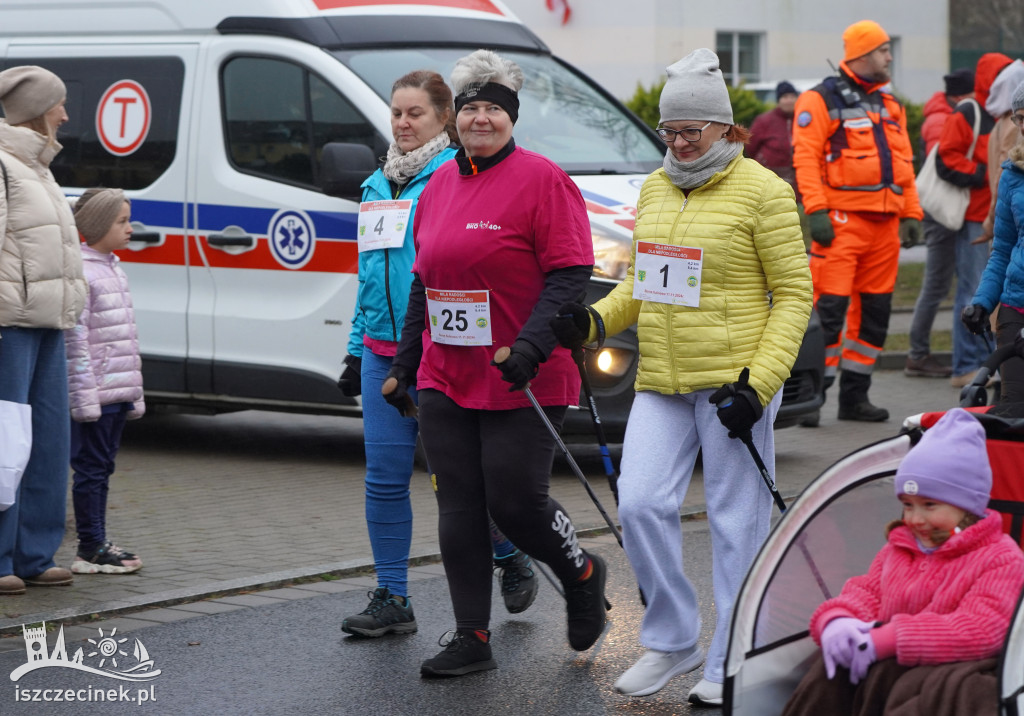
744 219
41 280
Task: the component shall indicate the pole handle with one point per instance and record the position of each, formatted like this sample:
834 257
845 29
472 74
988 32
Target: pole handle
389 387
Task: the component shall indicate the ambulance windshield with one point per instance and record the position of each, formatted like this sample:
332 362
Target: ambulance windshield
561 115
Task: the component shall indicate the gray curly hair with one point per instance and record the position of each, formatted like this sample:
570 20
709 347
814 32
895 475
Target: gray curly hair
483 66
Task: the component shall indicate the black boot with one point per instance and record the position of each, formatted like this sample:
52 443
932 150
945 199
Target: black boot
465 651
853 399
863 411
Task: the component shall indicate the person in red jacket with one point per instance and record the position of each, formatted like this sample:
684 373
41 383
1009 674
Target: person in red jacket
942 590
854 167
938 263
771 136
955 166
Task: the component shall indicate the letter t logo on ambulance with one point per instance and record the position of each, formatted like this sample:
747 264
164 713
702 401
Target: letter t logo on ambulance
123 117
292 238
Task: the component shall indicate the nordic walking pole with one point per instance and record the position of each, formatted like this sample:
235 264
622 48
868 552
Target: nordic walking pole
609 468
748 440
500 357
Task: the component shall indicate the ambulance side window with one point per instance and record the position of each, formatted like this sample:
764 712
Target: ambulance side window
278 116
141 136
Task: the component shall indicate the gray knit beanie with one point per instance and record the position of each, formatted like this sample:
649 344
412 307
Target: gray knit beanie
28 92
1018 98
95 212
696 90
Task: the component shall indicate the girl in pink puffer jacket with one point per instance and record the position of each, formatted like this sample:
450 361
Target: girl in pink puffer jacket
104 377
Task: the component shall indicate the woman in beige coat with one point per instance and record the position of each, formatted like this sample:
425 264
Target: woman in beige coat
42 291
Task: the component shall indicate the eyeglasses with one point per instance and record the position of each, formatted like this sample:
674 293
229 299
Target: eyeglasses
1017 119
690 134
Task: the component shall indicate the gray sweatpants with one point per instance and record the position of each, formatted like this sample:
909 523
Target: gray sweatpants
663 437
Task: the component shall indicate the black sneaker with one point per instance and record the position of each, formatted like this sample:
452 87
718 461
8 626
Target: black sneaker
465 651
585 606
108 558
518 581
864 412
384 615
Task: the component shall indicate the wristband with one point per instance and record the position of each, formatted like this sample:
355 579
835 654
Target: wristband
599 322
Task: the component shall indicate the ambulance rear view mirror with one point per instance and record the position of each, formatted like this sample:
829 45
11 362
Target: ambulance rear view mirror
344 167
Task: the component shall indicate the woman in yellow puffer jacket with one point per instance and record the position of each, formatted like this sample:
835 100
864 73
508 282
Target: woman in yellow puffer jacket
719 287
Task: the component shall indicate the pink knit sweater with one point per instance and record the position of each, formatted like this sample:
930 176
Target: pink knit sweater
954 604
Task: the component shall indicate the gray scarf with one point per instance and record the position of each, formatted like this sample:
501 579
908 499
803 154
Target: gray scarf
401 167
690 175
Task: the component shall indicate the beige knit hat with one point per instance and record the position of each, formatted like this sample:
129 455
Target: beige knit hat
28 92
95 212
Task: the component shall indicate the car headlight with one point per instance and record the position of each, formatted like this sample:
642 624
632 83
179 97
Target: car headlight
607 365
611 253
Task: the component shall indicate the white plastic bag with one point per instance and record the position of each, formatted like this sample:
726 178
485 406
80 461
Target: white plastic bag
944 202
15 446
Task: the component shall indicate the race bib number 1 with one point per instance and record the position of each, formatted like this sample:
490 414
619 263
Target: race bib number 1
459 318
667 274
382 224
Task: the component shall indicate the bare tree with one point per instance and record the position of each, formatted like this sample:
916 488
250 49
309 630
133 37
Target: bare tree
987 25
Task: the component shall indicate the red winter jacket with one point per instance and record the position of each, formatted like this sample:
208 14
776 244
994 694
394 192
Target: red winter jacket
952 163
954 604
936 112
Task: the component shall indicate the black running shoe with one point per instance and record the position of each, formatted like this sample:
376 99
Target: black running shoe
464 652
518 581
585 606
384 615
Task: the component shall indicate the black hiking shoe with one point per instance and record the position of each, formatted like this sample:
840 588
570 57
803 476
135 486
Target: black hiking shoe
585 606
465 651
384 615
864 412
518 581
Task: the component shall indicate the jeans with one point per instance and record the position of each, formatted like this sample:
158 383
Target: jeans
939 265
969 350
94 447
390 442
33 371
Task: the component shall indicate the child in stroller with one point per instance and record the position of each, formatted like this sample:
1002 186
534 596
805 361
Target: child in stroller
942 591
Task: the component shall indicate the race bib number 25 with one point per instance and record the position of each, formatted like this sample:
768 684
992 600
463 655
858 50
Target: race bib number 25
459 318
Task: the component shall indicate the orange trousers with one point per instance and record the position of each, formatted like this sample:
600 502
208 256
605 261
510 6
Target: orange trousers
853 283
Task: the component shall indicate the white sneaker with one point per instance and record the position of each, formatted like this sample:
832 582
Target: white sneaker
655 668
706 693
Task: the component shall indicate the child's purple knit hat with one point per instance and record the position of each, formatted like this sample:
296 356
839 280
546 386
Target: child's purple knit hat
949 464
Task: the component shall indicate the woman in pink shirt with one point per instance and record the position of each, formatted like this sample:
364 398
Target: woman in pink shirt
942 590
502 240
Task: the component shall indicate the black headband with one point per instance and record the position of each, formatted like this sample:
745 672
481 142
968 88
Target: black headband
494 93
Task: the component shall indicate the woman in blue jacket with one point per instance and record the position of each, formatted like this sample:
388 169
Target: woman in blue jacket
423 126
1002 283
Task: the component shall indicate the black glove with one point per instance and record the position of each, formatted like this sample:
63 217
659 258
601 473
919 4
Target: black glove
571 325
910 232
521 365
975 317
350 383
399 397
738 406
821 227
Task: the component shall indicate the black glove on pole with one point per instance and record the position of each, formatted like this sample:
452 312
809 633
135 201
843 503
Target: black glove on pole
351 383
395 390
571 325
520 367
975 318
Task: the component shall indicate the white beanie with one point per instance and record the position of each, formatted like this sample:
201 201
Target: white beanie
1000 94
1018 98
695 90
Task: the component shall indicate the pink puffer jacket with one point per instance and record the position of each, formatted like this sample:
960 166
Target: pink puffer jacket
104 366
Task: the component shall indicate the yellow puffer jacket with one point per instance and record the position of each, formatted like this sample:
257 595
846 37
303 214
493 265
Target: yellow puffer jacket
744 219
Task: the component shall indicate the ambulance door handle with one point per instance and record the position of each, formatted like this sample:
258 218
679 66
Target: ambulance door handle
231 237
142 235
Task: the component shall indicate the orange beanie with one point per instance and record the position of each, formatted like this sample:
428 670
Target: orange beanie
862 37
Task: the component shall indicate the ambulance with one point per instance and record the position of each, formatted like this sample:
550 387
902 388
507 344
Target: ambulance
241 130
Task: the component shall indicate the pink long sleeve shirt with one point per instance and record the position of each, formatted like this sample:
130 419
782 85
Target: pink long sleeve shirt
954 604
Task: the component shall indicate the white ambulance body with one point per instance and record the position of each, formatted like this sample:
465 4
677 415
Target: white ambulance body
214 116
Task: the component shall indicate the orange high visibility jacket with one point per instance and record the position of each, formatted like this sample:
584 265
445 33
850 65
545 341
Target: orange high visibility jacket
851 150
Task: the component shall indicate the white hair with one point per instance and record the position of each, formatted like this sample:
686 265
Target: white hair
483 66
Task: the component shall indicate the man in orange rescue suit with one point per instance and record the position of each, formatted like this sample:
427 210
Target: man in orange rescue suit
854 168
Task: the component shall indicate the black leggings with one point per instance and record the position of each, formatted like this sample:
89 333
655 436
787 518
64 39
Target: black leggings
497 462
1008 324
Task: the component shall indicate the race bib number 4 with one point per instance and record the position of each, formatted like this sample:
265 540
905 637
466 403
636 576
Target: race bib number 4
382 224
667 274
459 318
